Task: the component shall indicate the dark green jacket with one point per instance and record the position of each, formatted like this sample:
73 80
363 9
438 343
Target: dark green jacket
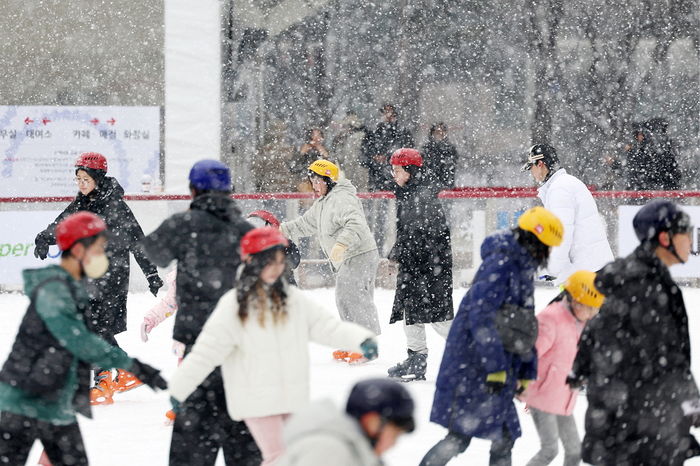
46 376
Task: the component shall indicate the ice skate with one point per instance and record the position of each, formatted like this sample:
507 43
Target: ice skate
125 381
413 368
340 355
102 392
356 358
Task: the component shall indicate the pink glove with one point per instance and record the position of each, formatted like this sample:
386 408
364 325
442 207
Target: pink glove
149 322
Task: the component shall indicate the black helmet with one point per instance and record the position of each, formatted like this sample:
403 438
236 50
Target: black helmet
385 397
543 152
657 216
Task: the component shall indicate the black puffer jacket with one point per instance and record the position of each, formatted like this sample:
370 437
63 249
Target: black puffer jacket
423 251
205 242
107 312
636 358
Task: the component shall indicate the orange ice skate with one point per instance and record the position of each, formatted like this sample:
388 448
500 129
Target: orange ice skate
125 381
101 393
340 355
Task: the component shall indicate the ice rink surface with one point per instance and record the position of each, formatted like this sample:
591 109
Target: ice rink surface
132 430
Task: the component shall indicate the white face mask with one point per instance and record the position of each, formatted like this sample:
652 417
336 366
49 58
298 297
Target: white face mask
97 266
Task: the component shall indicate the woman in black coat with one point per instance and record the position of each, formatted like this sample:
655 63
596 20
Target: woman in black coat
423 251
106 316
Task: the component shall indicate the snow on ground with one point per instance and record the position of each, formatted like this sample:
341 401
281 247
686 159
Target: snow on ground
132 431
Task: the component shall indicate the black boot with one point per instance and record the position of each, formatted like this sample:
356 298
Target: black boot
413 368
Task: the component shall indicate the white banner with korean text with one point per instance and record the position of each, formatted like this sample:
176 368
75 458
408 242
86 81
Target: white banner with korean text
39 145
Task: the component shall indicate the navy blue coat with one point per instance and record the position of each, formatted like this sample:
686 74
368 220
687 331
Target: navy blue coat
474 349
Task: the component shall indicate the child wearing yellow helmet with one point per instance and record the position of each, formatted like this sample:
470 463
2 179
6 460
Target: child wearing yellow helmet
549 399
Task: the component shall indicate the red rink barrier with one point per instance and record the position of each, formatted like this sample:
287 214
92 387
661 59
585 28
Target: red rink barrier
470 192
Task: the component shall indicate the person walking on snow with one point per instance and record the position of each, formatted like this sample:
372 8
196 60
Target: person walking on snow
424 253
45 380
635 357
549 399
377 413
106 315
204 241
485 360
339 221
585 245
259 334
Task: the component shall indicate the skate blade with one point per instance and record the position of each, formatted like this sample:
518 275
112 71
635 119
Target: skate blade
128 386
409 378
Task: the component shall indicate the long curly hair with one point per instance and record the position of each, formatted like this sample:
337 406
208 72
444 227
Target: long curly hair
252 290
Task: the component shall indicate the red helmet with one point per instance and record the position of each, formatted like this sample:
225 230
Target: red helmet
267 216
92 160
260 239
76 227
405 156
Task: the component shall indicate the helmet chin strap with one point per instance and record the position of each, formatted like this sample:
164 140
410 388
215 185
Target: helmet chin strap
672 249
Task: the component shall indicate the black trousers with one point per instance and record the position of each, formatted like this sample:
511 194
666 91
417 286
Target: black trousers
63 444
203 426
109 338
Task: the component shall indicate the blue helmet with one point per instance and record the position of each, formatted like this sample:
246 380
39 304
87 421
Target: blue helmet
210 175
657 216
385 397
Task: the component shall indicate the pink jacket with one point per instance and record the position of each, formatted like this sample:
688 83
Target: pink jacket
557 340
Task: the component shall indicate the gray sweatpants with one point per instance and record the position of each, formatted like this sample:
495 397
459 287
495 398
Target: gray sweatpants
551 428
415 334
354 290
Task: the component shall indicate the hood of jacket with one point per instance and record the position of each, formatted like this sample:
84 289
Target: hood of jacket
342 186
421 183
108 189
32 277
324 419
615 276
219 205
504 242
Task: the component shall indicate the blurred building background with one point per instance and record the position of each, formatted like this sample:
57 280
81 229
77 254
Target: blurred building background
502 75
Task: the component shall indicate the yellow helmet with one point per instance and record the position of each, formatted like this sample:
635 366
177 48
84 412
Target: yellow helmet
581 288
325 168
543 224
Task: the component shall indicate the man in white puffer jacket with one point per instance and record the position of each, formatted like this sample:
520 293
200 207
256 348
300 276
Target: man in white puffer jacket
585 245
339 222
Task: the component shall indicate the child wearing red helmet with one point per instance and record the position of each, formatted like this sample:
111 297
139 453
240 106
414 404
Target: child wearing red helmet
44 381
259 335
106 314
423 251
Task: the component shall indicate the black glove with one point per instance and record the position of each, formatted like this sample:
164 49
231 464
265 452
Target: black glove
154 283
574 381
495 382
41 247
148 375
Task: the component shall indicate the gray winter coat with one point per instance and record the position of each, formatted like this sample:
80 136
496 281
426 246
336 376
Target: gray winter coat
320 435
336 217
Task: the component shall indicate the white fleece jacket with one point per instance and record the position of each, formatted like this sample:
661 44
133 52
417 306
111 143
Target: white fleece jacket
265 369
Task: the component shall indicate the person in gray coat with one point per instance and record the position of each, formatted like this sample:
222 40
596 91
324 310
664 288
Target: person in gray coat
378 412
338 220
